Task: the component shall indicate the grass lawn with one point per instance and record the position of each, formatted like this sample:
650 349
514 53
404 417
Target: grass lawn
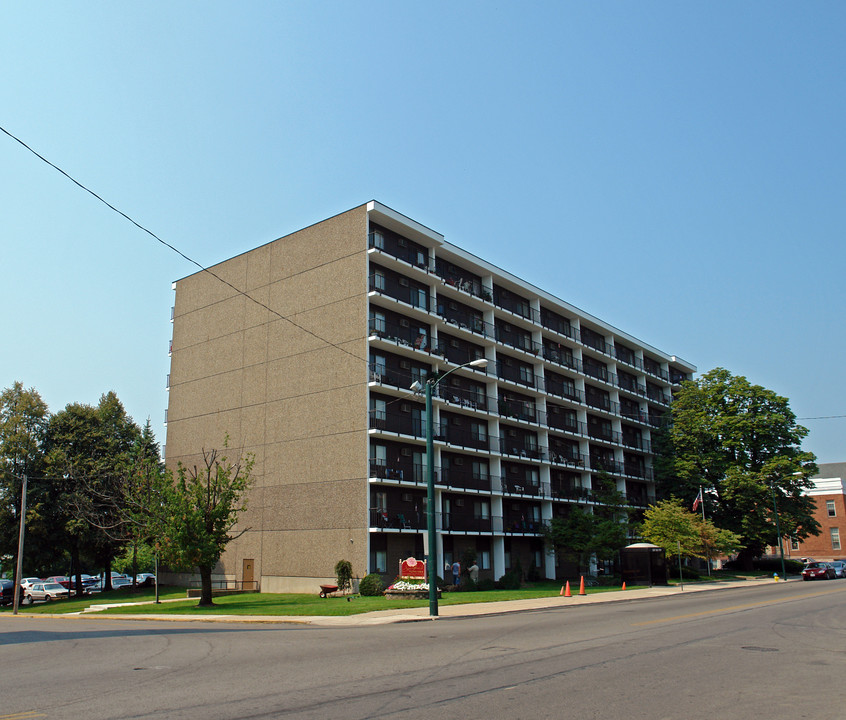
299 604
291 604
73 604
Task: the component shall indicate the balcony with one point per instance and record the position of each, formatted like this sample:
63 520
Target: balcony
462 279
519 524
401 423
399 247
467 479
513 447
400 288
406 334
525 486
407 473
568 458
464 397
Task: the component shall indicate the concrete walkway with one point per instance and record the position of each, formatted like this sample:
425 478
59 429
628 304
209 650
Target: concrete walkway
382 617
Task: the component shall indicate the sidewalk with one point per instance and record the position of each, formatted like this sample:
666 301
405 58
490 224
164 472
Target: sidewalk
383 617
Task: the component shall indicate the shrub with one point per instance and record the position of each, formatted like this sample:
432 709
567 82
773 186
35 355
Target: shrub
370 585
510 581
487 584
343 572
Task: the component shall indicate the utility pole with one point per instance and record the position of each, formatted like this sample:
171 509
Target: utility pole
19 566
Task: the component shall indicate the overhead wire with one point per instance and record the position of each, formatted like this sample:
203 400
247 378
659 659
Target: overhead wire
175 249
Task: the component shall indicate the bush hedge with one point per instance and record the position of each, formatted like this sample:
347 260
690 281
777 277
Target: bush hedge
370 585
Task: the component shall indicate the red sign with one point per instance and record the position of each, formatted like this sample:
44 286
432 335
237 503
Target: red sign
412 568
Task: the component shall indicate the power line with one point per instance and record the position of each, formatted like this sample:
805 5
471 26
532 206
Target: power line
823 417
175 249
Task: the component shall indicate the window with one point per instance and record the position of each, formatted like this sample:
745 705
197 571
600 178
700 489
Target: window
794 543
379 280
835 538
382 501
485 560
481 509
378 240
380 561
479 431
377 322
830 508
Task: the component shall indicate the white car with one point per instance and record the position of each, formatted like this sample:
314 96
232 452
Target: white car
45 591
27 583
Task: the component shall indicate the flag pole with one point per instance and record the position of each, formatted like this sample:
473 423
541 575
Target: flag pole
707 547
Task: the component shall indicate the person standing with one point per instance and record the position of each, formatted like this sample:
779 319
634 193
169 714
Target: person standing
456 573
474 573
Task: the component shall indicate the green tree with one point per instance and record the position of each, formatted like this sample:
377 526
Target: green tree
23 422
193 516
600 531
668 525
86 450
741 443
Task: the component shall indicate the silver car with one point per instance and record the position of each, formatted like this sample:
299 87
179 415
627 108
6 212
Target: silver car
839 568
44 591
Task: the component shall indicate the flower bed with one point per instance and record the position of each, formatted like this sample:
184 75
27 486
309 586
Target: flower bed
405 589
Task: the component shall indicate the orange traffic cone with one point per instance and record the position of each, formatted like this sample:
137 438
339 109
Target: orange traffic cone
624 584
562 590
582 586
567 592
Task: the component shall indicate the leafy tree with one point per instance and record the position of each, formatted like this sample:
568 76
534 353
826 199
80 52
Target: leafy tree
87 448
584 533
668 525
23 422
742 444
191 516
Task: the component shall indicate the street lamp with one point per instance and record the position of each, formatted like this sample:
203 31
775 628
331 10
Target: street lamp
778 529
778 533
430 384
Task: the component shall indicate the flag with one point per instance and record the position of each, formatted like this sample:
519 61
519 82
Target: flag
698 501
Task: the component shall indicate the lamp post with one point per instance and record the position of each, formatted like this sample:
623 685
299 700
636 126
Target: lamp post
778 533
430 384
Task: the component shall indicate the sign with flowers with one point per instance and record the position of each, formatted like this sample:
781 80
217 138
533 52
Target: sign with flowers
412 568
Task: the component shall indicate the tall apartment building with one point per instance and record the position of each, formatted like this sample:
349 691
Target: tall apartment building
311 373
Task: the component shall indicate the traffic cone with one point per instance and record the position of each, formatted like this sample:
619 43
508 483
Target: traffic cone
567 593
624 584
582 586
562 590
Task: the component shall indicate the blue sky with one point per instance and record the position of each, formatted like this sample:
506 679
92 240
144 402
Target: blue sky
675 169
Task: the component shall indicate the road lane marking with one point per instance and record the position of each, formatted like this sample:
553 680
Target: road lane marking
22 715
735 607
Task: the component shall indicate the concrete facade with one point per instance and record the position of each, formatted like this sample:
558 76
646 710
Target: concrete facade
311 374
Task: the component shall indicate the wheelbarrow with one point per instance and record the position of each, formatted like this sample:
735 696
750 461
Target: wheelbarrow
326 589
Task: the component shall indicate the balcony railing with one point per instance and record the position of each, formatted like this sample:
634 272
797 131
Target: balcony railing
463 397
407 335
523 486
514 448
572 426
520 342
570 458
413 473
469 285
410 255
467 479
559 357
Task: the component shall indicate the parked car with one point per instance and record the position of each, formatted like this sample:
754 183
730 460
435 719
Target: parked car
145 579
7 592
839 568
818 571
45 591
63 580
27 582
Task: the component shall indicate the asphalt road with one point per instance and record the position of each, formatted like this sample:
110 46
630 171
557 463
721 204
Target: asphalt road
773 651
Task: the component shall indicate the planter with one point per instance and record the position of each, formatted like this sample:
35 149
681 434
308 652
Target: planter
417 594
